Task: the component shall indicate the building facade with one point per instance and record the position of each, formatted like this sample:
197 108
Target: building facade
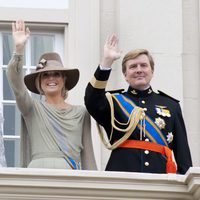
77 30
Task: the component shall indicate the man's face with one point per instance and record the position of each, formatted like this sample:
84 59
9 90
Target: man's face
139 72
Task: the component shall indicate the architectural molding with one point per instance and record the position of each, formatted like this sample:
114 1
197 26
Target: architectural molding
35 14
29 184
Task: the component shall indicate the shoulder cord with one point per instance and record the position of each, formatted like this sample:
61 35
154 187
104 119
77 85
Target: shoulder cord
136 115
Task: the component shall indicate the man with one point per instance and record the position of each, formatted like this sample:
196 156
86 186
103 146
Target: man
143 127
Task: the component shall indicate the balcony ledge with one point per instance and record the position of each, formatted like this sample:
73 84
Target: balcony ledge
29 184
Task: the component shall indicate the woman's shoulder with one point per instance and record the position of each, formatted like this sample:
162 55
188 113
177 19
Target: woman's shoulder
80 108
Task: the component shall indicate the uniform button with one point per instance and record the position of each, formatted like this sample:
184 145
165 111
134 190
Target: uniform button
145 109
147 139
146 164
143 102
146 152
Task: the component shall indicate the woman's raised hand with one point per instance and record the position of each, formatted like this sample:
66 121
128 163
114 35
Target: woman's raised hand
20 35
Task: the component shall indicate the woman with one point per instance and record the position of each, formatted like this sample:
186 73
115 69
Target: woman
58 132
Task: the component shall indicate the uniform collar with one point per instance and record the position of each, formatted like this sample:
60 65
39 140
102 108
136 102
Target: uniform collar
140 93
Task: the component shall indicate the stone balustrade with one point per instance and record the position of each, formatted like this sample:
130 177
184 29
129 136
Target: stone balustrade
43 184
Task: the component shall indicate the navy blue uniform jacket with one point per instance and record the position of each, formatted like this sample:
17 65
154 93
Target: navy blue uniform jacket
137 160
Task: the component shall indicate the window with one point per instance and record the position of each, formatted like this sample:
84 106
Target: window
38 43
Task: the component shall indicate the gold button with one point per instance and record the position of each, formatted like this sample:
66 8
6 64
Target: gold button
143 102
147 139
145 109
146 151
146 164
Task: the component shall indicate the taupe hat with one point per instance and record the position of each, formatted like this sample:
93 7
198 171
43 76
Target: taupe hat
51 62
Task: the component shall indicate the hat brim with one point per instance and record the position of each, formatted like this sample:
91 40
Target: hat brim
71 80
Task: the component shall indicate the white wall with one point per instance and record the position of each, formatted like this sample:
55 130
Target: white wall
157 26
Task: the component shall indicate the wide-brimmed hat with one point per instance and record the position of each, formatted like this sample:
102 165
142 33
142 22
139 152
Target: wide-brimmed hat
51 62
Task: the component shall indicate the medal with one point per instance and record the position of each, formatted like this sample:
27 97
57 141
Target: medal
170 137
163 111
160 123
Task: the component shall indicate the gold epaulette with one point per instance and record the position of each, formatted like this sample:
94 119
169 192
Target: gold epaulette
120 91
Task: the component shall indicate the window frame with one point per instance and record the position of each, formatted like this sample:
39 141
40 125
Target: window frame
48 29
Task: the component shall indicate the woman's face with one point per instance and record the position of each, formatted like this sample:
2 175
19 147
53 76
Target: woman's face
52 83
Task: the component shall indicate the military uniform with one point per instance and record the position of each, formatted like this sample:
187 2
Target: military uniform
164 111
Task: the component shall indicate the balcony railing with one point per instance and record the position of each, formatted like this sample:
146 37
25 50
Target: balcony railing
48 184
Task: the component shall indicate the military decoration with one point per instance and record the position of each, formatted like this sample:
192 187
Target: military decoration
150 91
134 92
163 111
160 122
170 137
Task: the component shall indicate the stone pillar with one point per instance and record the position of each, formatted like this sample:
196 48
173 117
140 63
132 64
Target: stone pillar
191 75
108 25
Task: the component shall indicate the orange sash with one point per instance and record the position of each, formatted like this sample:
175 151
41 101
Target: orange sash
166 151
